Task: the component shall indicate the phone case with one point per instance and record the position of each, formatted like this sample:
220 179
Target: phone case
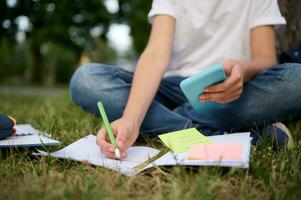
193 86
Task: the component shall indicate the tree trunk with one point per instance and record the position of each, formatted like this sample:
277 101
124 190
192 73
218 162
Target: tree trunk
37 64
290 35
49 78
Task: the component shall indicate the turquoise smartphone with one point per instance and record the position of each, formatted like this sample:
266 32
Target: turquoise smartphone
195 85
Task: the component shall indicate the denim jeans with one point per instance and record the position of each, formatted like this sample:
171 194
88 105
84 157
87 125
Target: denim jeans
273 95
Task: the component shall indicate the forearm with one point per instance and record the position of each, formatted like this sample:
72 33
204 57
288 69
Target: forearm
257 65
150 69
149 72
263 51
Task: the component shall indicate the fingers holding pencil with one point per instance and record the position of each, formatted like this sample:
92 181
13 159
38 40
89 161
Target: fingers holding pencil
106 146
125 130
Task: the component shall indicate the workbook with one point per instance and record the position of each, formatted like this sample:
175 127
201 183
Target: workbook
140 158
27 136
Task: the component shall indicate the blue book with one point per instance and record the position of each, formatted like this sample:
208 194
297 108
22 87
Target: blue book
195 85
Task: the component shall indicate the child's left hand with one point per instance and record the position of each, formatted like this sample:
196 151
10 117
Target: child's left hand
231 88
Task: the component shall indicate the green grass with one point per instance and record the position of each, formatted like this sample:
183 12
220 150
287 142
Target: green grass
271 175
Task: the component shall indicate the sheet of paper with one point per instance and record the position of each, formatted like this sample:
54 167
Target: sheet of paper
86 149
33 140
227 151
181 141
171 158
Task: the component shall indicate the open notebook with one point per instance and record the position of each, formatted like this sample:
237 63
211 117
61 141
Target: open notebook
86 149
27 136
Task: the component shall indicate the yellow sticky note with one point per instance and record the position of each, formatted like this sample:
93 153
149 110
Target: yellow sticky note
181 141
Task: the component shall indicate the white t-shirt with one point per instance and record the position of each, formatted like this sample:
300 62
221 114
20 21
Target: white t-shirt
210 31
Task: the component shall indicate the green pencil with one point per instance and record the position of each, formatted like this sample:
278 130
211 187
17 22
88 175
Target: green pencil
108 128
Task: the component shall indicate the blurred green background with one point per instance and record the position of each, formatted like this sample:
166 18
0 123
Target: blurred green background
43 41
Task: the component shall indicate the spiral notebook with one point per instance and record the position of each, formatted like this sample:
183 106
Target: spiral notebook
141 158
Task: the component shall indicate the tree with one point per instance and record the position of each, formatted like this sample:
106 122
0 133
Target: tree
134 13
63 22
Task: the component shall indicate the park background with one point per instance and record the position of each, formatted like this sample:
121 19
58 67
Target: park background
42 42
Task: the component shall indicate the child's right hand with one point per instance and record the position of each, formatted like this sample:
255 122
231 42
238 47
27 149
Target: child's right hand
126 133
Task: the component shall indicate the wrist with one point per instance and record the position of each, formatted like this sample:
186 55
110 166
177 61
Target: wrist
134 119
245 71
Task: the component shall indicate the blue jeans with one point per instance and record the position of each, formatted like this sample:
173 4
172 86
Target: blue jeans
273 95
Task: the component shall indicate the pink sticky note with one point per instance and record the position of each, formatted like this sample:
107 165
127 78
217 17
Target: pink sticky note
228 151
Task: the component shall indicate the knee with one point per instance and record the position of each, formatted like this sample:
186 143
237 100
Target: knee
79 81
87 81
293 66
294 70
287 71
84 74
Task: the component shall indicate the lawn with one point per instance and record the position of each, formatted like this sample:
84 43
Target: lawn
272 175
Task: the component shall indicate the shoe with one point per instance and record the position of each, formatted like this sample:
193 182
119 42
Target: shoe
280 129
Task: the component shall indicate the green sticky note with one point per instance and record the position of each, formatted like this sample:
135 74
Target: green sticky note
181 141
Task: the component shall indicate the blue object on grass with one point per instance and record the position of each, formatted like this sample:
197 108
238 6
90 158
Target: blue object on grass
6 126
